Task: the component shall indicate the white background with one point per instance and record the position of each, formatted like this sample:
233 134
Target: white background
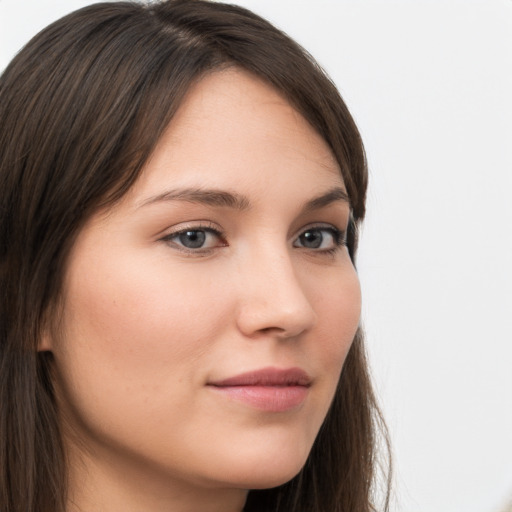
429 83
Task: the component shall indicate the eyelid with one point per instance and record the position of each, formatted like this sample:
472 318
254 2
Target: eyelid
339 237
337 215
321 225
206 226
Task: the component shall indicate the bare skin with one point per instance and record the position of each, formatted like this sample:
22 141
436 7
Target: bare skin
220 260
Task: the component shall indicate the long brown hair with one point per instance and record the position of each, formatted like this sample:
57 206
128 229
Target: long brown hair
82 106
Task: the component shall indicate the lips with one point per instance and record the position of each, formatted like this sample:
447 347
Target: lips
268 389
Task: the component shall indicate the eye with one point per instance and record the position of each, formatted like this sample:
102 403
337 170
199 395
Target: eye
195 239
321 238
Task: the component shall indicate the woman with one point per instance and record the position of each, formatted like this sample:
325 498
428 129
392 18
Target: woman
181 190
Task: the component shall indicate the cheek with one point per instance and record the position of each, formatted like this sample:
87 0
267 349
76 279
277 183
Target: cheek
338 305
139 338
135 330
337 300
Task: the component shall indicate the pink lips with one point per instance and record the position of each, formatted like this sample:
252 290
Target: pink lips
268 389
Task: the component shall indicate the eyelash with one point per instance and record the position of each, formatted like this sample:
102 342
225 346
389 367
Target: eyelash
206 228
338 238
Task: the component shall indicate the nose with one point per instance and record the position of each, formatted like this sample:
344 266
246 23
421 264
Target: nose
272 300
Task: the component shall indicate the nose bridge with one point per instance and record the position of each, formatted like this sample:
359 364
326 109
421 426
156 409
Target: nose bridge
272 296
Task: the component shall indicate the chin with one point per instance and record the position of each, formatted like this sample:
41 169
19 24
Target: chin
265 474
269 481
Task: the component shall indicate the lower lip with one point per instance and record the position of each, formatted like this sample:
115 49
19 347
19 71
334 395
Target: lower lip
266 398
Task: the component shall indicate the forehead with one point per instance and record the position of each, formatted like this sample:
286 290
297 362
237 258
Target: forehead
234 130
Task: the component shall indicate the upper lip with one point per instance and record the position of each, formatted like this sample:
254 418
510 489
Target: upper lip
267 377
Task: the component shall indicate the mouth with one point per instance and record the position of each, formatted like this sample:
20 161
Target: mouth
268 389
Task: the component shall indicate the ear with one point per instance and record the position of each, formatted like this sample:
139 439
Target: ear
46 335
45 342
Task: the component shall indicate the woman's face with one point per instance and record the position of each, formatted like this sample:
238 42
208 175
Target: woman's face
226 258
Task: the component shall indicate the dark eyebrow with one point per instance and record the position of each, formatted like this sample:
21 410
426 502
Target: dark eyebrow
222 198
210 197
332 196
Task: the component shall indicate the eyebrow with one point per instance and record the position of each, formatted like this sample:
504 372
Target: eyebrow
333 195
210 197
223 198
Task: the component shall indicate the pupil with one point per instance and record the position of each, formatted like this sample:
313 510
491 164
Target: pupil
193 239
312 239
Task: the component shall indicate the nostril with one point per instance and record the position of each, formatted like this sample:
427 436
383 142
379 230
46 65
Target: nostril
272 329
256 322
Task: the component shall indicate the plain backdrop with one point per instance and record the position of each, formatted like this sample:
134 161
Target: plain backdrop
429 84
